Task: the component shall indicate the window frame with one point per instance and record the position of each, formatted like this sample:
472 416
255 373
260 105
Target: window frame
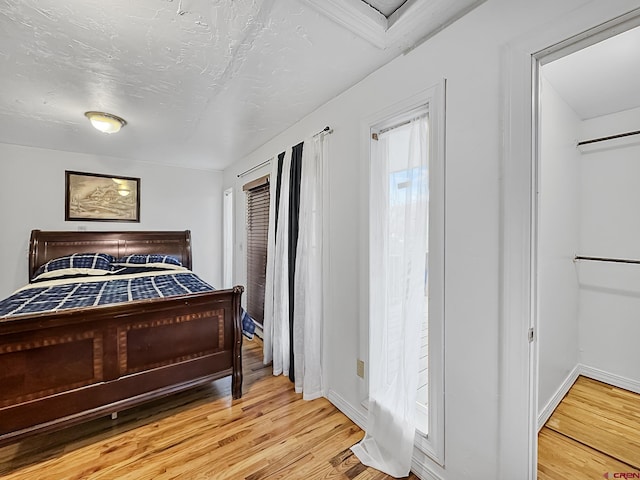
255 278
431 444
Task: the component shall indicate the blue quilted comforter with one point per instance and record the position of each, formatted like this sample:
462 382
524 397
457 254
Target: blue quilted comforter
53 296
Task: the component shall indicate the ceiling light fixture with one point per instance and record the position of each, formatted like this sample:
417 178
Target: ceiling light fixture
105 122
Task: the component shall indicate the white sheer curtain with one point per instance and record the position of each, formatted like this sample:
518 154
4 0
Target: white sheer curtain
281 342
308 312
267 319
276 300
398 250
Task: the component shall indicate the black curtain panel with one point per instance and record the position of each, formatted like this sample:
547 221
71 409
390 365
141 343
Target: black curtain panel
294 211
278 187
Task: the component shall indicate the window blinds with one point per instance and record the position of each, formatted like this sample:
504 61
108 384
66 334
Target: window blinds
257 230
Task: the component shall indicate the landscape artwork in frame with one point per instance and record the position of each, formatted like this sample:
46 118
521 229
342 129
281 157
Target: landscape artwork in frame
101 198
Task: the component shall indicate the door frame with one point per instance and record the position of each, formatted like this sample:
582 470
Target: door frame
227 237
518 409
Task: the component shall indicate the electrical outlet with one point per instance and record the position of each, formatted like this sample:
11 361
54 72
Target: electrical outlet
360 368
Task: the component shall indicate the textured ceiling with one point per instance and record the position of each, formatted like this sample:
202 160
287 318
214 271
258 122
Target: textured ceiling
201 83
601 79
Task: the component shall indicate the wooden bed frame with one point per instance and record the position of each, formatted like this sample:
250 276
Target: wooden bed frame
59 369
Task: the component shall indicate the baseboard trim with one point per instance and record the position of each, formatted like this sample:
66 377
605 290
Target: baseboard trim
259 330
589 372
422 470
345 407
419 467
610 378
558 396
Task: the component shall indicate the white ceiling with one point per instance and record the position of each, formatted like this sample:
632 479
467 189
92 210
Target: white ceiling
201 83
601 79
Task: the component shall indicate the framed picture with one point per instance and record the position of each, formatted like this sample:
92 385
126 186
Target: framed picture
101 198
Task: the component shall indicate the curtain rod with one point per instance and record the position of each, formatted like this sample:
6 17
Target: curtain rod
397 125
325 131
604 259
611 137
254 168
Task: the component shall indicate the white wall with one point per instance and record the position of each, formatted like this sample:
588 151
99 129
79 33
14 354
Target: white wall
469 54
610 227
172 198
558 230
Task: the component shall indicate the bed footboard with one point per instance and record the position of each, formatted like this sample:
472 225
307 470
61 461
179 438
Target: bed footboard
60 369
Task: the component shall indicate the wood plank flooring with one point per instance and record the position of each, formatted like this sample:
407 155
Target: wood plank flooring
594 431
270 433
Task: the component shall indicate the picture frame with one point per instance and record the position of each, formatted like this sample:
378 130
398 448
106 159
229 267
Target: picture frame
94 197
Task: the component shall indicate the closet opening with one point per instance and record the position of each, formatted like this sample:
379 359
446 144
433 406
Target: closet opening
587 254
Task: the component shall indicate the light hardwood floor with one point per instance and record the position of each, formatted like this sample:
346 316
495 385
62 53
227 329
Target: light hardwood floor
595 431
270 433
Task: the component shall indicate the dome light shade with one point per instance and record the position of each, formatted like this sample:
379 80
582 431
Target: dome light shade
105 122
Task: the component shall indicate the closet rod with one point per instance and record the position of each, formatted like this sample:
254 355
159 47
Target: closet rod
611 137
604 259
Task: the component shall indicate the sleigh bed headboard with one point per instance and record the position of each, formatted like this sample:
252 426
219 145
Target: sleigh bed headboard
45 245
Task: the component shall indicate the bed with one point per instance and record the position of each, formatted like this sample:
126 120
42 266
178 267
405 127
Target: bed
59 368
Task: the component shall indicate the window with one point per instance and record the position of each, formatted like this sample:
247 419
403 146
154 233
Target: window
406 261
257 236
408 190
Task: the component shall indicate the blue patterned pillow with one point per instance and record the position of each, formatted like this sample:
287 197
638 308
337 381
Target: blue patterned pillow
138 259
75 264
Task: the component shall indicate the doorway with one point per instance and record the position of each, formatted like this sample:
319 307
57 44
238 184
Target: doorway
586 241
